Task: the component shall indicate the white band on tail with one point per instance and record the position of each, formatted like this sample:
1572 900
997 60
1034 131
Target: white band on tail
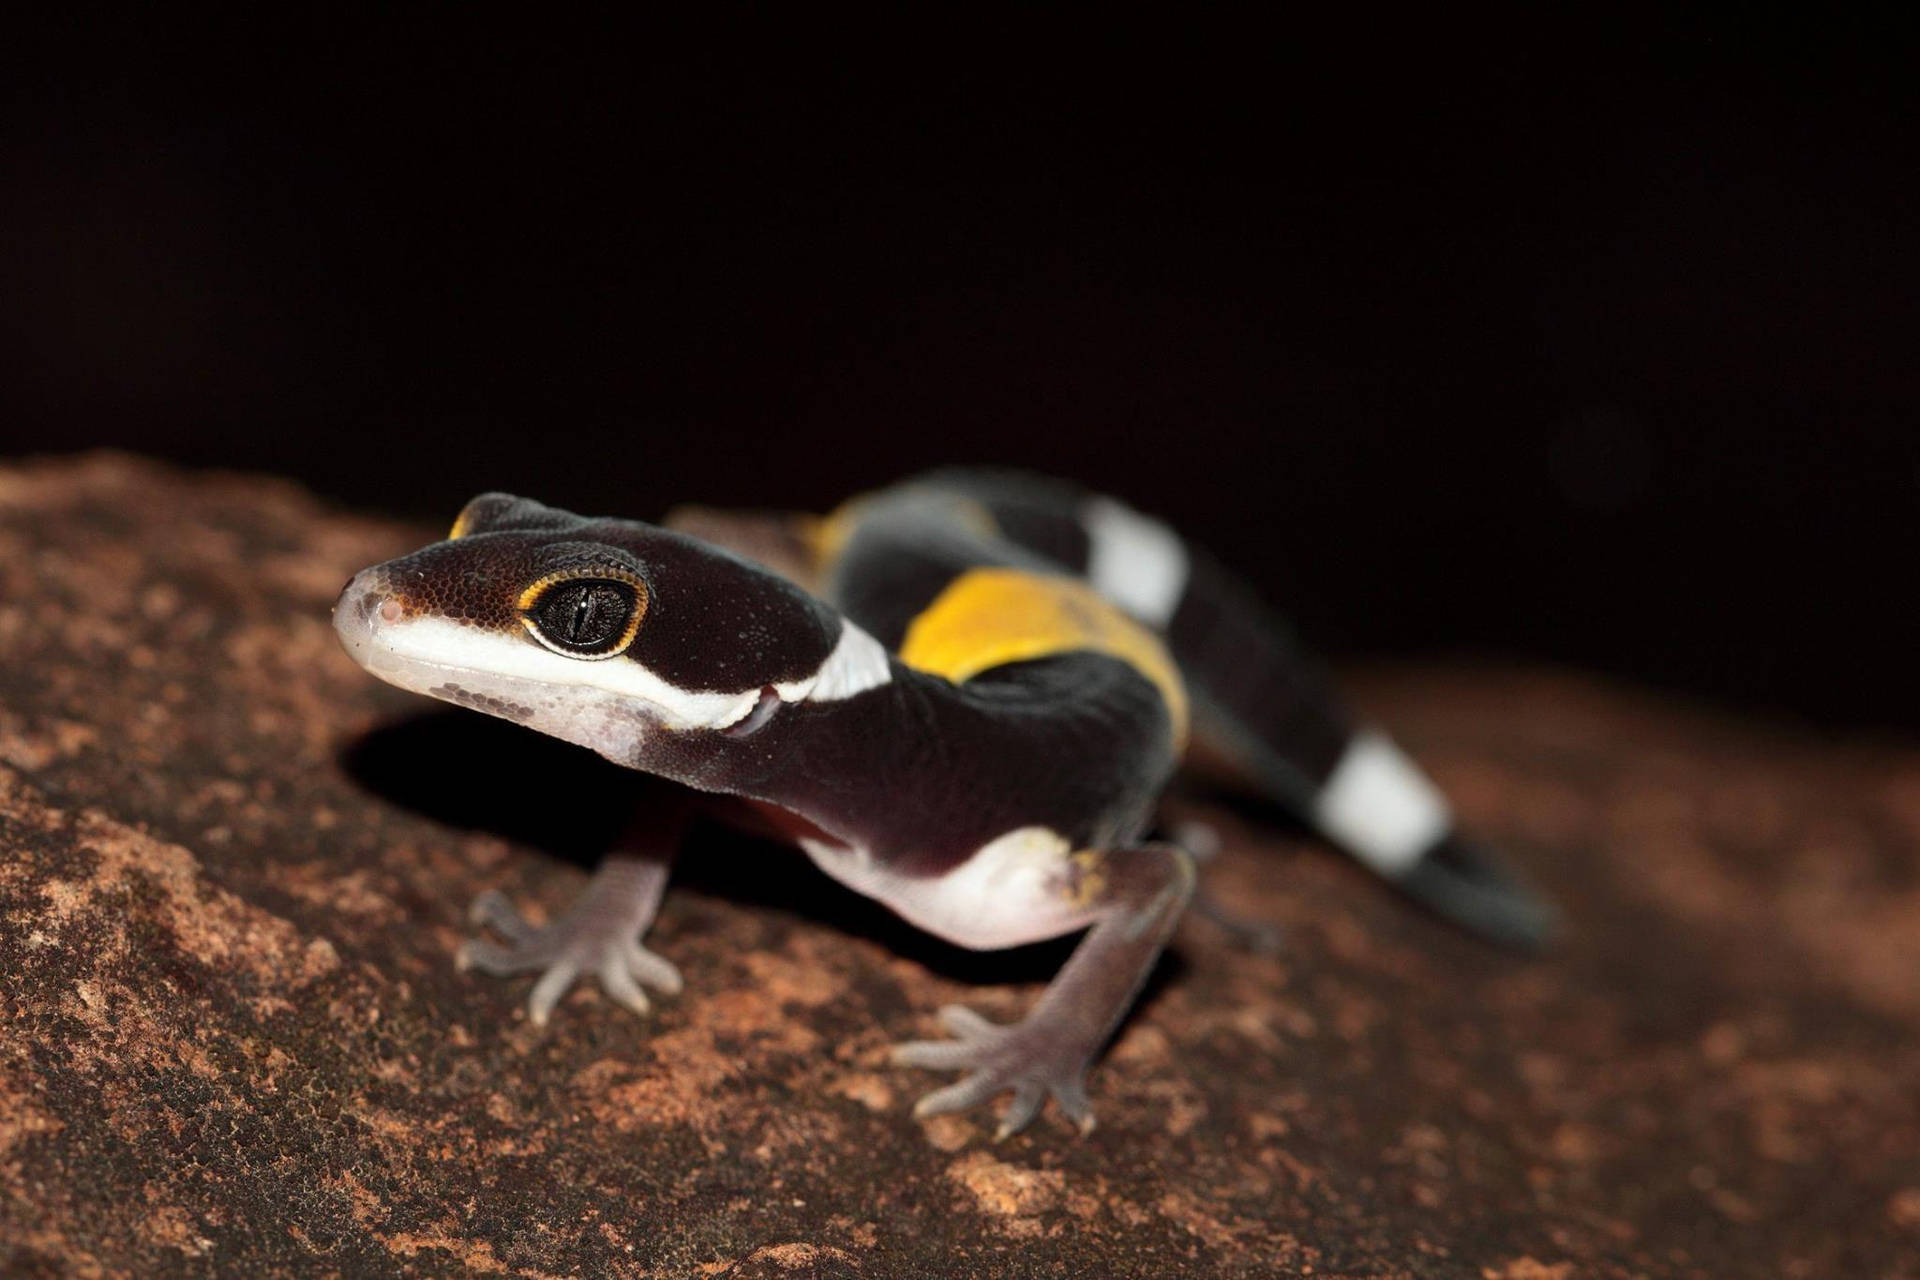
1138 563
1379 806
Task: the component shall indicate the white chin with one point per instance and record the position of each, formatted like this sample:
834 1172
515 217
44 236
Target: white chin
613 725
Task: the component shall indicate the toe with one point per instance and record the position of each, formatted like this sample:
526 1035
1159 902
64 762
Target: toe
653 970
492 910
1072 1097
617 980
1027 1098
967 1024
547 992
934 1055
491 957
971 1092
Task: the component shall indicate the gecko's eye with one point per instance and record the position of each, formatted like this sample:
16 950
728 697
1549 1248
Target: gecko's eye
586 617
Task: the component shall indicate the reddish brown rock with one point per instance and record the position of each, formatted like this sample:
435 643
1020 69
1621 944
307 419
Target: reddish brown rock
233 871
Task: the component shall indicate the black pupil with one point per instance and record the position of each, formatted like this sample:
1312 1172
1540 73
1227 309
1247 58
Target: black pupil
586 614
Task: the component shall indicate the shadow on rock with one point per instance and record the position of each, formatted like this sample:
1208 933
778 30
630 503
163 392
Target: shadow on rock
482 774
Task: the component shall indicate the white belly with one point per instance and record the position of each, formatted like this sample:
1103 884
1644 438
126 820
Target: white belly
1012 891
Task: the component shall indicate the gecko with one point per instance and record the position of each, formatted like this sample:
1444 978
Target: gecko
961 696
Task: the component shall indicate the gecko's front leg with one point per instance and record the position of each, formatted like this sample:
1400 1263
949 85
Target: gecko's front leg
599 933
1134 897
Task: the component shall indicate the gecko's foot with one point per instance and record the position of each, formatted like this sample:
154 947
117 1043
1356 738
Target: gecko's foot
1023 1058
595 936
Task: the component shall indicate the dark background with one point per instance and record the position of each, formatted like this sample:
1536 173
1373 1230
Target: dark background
1591 346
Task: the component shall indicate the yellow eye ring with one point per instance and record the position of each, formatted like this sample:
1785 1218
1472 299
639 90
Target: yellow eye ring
536 602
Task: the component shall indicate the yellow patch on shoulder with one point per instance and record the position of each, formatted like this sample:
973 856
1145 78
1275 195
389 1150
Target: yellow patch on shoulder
987 618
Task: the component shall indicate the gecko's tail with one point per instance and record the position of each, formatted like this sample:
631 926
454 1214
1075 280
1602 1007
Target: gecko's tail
1265 706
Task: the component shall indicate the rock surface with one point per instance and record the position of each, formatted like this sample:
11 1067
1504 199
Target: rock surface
233 873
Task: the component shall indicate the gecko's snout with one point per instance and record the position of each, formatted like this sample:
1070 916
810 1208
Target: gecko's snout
363 607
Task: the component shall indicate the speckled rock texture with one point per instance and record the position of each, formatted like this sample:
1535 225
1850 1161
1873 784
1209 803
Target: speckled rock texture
233 874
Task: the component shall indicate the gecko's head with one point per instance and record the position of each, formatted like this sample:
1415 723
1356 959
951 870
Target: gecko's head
607 633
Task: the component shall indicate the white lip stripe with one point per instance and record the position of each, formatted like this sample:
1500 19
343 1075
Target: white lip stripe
428 647
441 644
1136 562
1380 806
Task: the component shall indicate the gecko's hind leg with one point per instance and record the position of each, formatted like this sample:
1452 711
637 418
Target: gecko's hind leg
1202 841
1136 898
599 934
